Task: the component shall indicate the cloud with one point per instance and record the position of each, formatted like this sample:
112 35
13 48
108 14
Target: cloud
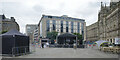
30 11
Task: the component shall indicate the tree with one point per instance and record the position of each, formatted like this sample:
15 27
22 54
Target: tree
4 32
79 36
52 36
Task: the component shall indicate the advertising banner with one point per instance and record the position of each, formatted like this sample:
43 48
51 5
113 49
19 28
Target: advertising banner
117 40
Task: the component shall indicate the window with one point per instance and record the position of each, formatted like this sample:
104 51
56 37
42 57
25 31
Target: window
54 24
111 40
49 16
72 27
47 25
28 27
82 28
67 25
61 26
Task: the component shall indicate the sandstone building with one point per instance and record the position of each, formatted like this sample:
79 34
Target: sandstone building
30 31
108 24
7 24
92 32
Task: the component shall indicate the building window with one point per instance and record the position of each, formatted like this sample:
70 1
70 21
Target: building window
54 24
28 27
49 16
48 25
61 26
78 26
67 25
111 40
82 29
72 27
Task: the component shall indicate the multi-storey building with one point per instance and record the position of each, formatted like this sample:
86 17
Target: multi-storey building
7 24
61 24
92 33
36 35
108 22
30 31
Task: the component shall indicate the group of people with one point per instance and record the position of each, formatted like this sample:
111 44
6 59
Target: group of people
43 45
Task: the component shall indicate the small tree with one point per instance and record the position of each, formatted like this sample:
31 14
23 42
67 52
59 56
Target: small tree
52 36
4 32
79 36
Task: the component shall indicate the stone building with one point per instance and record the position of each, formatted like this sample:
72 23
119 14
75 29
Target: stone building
92 33
61 24
36 35
108 22
30 31
7 24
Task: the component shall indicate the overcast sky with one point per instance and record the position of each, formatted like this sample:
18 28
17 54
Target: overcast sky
30 11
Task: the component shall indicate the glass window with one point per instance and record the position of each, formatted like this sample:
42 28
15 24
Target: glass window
82 28
67 25
48 25
72 27
28 27
54 24
49 16
61 26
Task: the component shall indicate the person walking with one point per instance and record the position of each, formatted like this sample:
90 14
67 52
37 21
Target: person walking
42 45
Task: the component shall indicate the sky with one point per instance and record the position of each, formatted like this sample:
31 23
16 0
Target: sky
31 11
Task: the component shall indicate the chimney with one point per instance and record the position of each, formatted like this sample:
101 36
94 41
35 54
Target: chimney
3 16
12 19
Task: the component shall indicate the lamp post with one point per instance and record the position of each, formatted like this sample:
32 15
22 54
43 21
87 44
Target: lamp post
57 36
76 34
76 41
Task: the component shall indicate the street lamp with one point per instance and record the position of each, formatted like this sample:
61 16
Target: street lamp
57 36
76 41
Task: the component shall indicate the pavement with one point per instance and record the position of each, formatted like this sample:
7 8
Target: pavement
68 53
0 57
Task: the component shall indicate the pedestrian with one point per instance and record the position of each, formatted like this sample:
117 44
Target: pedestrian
42 45
47 44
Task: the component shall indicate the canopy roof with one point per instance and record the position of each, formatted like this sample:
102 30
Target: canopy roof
99 42
67 35
13 32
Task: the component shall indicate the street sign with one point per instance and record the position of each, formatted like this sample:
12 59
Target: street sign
117 40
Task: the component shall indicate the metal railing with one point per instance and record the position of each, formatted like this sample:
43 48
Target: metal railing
23 50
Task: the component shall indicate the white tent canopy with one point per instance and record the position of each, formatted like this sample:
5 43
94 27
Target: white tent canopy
99 42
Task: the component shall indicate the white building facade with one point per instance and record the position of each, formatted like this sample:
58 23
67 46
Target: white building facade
62 24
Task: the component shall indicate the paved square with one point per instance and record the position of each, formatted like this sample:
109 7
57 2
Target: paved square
68 53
